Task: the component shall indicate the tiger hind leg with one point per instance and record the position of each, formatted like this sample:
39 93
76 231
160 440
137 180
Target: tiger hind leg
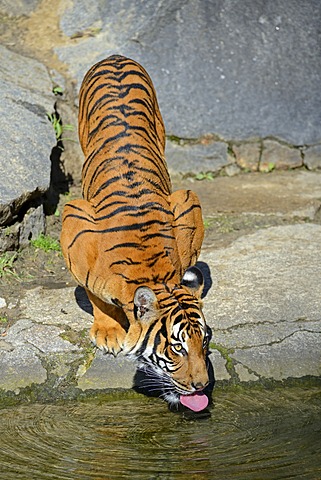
77 240
110 325
188 226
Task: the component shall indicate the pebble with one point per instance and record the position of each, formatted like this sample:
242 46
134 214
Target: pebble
3 302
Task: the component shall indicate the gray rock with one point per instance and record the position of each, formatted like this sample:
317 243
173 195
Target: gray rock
32 225
238 69
106 371
264 305
296 356
312 157
58 307
18 7
195 158
9 237
248 155
281 157
20 368
6 346
287 194
219 366
232 170
19 234
27 140
265 302
47 339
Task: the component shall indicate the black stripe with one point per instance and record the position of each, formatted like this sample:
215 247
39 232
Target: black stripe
79 217
126 261
187 211
120 193
149 236
123 91
106 184
169 275
124 228
111 204
126 245
143 346
87 279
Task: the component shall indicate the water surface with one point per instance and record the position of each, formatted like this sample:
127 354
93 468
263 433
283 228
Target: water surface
249 434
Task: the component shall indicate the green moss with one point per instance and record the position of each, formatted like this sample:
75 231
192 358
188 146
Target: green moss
46 243
225 352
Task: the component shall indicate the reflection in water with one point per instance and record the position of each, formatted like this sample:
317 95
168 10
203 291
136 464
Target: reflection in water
249 435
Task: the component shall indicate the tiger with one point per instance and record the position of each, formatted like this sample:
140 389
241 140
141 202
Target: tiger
131 242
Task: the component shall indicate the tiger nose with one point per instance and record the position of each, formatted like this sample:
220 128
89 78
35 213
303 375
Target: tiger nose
199 385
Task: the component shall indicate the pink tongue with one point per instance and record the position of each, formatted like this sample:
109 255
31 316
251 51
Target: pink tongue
196 401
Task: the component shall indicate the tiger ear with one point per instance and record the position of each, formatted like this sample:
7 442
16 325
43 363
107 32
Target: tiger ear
145 304
193 279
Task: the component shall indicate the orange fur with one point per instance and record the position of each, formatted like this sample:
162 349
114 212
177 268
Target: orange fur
129 230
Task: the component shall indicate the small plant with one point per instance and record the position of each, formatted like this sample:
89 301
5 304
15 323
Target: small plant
57 90
271 166
204 176
268 168
207 222
46 243
59 128
6 263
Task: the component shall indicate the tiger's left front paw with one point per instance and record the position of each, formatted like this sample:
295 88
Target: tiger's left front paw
108 338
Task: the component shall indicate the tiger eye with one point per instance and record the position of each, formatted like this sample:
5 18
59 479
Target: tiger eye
177 347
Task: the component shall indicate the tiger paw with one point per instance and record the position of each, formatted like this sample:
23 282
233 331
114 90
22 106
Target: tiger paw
109 339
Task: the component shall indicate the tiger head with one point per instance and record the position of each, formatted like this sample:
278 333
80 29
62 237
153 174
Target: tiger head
170 339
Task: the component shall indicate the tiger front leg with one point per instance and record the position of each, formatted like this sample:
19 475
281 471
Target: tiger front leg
188 226
109 328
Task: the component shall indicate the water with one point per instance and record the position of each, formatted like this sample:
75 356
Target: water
250 434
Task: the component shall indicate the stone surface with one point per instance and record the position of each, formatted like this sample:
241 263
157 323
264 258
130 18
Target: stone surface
248 155
32 225
312 157
283 194
280 157
247 74
232 170
264 309
265 303
302 349
20 367
57 307
27 140
106 372
18 7
192 159
263 306
238 69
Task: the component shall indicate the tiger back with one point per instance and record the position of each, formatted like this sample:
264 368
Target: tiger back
130 241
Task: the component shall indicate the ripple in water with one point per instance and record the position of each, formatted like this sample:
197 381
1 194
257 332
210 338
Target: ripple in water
249 435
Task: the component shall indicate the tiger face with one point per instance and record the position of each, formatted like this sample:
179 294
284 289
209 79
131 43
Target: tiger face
170 339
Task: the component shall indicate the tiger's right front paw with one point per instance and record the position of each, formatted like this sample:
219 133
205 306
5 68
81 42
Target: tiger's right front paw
109 339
